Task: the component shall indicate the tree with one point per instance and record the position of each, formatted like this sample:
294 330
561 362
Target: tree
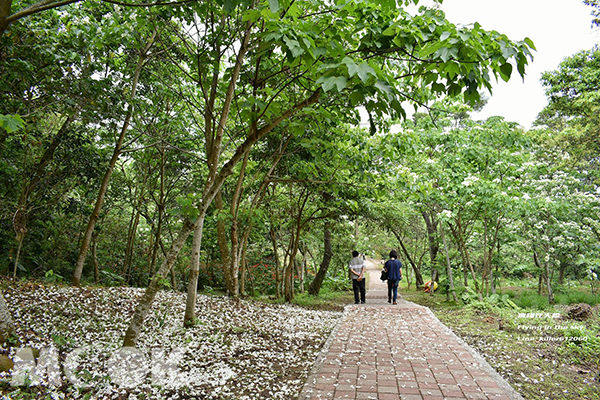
143 51
253 68
596 12
7 326
7 17
573 92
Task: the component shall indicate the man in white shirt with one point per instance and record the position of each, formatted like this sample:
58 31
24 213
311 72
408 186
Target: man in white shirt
357 273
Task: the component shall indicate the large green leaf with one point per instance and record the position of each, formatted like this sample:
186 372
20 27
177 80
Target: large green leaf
11 123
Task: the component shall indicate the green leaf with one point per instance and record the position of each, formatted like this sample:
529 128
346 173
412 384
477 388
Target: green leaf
530 43
384 87
352 67
356 98
364 70
274 6
438 87
254 15
340 83
506 71
294 47
327 83
11 123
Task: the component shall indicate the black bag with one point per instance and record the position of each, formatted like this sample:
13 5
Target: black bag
384 275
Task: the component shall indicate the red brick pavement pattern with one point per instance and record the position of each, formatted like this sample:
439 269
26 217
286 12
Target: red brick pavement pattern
400 352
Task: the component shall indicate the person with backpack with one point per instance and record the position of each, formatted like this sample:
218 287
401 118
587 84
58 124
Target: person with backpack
393 268
356 270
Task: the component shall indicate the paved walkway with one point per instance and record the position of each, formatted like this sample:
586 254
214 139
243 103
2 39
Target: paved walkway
382 352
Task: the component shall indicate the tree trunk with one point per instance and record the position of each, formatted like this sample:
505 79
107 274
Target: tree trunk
418 276
87 237
95 257
145 303
316 284
448 266
561 273
130 248
288 275
20 237
273 237
222 242
235 238
192 291
434 247
5 10
548 285
458 236
7 325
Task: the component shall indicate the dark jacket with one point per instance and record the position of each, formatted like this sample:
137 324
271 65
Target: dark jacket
393 269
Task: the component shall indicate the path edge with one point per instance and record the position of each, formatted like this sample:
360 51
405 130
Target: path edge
503 383
311 380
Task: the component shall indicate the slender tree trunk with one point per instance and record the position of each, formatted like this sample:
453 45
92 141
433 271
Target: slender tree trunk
192 291
485 272
20 238
303 267
418 276
130 249
235 239
95 256
145 303
133 228
273 237
541 277
434 248
288 272
243 275
7 325
561 273
458 235
465 267
87 237
448 266
223 246
545 275
160 206
316 284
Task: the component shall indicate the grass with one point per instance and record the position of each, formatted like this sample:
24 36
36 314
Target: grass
327 300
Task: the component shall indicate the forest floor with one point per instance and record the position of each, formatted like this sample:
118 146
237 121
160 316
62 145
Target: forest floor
237 349
531 355
255 350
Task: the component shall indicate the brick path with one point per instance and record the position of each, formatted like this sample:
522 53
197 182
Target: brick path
382 352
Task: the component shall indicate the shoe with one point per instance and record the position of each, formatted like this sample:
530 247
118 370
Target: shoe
362 302
356 303
395 303
389 301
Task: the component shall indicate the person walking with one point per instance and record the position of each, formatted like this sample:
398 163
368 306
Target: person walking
357 273
393 267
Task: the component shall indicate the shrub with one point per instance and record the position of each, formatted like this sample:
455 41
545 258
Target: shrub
583 343
336 283
532 300
575 296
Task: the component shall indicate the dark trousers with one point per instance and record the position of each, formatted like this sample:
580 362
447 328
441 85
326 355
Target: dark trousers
392 289
359 287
